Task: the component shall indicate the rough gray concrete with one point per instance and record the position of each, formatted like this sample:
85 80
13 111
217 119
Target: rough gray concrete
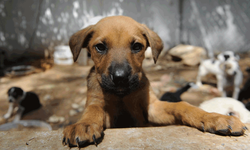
170 137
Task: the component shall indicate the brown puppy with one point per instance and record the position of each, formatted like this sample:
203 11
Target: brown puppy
119 93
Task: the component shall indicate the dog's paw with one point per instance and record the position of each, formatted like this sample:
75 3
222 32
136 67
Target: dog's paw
223 125
81 135
6 116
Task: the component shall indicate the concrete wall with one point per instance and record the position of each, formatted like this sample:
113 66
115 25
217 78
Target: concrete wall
217 25
28 27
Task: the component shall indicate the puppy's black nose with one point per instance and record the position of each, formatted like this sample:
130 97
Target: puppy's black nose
119 76
119 73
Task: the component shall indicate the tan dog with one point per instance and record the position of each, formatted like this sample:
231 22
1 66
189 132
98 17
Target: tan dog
119 93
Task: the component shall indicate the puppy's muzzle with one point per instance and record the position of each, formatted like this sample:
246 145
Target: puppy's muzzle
11 99
119 74
120 80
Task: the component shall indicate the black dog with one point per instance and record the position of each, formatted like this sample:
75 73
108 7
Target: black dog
25 101
245 91
176 96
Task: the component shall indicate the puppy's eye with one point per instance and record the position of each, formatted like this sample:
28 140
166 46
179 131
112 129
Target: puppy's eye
136 47
101 48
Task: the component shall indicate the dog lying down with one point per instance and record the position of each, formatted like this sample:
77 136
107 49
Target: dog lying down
118 92
25 102
227 106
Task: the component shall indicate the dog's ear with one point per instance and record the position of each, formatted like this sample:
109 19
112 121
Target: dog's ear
154 41
80 40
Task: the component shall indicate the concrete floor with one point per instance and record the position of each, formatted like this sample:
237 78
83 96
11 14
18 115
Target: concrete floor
170 137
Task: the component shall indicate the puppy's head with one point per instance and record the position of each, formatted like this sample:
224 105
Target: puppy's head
117 45
228 55
14 93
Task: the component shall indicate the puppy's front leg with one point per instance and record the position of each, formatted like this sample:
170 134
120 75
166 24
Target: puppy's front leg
9 112
165 113
89 129
220 84
236 92
19 114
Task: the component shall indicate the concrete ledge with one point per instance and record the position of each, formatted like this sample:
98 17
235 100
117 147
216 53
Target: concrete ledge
170 137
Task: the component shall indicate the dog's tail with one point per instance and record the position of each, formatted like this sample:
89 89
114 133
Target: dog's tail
185 88
176 96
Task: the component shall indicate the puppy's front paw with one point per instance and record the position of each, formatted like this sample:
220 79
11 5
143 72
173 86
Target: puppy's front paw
223 125
81 134
6 116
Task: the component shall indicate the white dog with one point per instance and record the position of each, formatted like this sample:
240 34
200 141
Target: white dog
227 106
227 73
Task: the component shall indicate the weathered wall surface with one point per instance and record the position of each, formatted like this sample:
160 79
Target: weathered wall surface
29 27
217 25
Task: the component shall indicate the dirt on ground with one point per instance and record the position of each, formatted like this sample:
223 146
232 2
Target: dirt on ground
62 89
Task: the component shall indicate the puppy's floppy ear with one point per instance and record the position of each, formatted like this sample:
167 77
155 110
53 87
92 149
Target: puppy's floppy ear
154 41
80 40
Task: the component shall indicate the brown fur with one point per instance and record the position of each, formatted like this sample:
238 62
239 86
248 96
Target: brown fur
140 107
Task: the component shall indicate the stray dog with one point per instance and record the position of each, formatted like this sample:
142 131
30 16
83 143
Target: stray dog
228 55
118 91
25 101
227 73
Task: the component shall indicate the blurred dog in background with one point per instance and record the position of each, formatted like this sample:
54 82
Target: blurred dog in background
25 102
227 72
245 91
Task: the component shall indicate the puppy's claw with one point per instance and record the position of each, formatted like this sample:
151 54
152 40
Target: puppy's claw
68 142
77 142
245 128
94 139
63 141
230 128
203 129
